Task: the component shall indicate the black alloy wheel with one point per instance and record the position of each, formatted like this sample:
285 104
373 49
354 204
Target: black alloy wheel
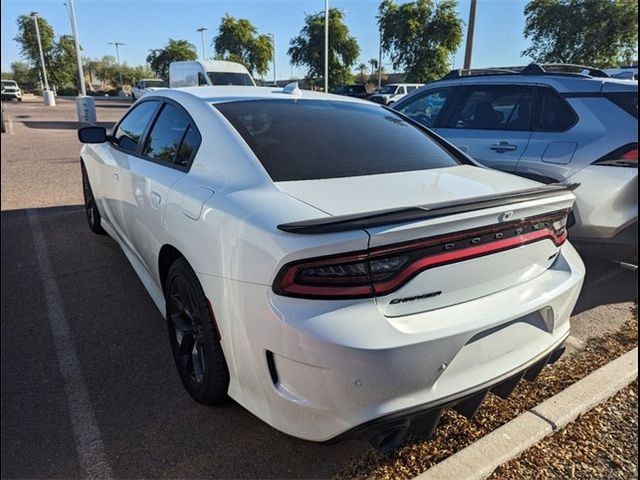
90 207
193 336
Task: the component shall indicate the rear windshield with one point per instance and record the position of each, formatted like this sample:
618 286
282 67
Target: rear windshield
628 101
230 78
316 139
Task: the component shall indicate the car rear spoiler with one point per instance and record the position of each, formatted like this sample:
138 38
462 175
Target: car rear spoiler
342 223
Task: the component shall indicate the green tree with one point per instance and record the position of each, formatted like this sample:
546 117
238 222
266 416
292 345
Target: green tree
362 68
63 66
28 42
307 48
599 33
238 41
420 36
174 51
24 74
374 65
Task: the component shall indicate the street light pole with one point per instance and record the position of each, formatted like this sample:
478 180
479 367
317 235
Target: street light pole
470 31
202 30
47 95
273 44
380 61
117 44
326 46
74 29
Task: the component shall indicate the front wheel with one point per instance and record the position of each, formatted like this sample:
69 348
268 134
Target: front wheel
193 336
91 209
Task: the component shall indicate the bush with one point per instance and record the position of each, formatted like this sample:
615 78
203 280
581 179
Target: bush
68 92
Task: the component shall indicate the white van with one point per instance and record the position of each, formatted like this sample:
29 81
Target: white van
208 72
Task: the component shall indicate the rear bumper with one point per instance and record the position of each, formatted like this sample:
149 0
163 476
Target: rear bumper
387 432
322 370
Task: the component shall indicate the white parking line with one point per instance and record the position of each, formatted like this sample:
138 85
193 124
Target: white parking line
89 445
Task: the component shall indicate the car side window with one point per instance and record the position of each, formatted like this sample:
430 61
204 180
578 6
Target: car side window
402 90
133 126
202 80
427 108
164 143
494 107
552 114
188 147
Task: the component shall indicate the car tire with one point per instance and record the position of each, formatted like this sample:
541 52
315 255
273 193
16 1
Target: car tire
20 99
133 97
94 219
193 336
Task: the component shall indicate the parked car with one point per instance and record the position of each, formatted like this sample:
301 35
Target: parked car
358 90
624 72
336 269
145 86
390 94
11 90
550 126
207 73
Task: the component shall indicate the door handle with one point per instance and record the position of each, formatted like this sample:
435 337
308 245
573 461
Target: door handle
502 147
155 199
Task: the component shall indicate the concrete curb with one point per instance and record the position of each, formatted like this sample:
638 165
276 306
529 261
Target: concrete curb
479 460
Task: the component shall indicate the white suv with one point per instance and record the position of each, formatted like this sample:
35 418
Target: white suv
11 90
393 92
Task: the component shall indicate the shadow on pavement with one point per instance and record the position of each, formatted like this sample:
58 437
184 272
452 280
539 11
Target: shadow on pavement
149 425
606 282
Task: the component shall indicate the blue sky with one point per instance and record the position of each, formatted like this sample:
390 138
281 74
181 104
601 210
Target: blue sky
146 24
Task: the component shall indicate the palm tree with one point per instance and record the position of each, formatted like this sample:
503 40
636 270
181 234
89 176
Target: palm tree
374 65
363 68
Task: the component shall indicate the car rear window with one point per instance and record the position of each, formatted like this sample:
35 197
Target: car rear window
317 139
628 101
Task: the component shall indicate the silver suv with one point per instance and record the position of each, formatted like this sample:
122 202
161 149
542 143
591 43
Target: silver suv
550 125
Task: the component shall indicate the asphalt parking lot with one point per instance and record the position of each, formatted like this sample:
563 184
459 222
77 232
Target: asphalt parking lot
56 272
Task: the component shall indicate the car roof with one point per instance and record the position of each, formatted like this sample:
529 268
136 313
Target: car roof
561 82
232 93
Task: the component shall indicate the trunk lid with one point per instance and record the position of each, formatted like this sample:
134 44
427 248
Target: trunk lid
440 255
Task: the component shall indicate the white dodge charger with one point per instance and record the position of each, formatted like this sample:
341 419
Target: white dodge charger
337 269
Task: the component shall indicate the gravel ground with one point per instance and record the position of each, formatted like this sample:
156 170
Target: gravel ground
601 444
455 432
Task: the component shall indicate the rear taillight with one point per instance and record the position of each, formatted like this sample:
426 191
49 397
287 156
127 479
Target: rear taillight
626 156
383 270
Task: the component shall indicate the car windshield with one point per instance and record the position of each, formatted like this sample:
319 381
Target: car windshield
317 139
7 83
389 89
230 78
153 83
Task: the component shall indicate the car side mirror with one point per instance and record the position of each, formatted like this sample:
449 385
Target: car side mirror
92 134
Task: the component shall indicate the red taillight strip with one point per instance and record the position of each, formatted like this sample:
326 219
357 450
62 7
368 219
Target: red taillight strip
438 260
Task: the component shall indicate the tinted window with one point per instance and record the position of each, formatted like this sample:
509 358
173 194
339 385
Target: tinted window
202 80
426 108
188 147
165 136
133 126
552 112
628 101
230 78
494 108
312 139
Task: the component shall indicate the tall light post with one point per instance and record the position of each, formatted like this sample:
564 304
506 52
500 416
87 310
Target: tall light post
470 31
326 46
273 44
202 30
74 29
380 61
117 45
47 95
